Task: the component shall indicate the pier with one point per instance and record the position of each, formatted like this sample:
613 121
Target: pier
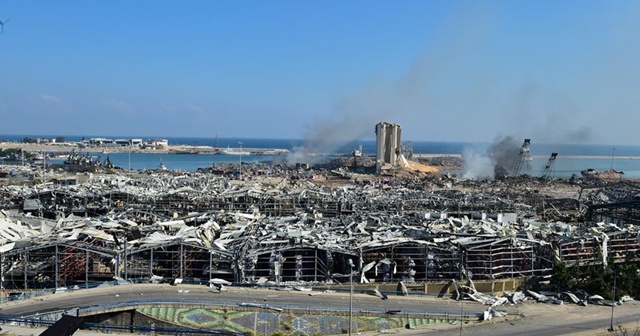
171 149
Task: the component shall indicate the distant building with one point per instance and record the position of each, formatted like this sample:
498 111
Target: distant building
121 142
98 141
149 143
156 143
388 145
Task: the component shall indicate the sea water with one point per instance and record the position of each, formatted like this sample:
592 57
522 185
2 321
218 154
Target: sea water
572 158
564 166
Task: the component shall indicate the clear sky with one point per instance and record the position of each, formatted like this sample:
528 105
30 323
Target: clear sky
554 71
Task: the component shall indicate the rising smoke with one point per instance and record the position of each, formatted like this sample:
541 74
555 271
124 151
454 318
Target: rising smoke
498 161
355 115
477 166
547 114
540 92
326 136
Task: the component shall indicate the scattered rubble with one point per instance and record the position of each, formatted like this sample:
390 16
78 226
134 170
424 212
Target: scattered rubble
295 226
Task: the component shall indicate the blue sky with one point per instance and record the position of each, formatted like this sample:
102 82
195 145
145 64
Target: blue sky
553 71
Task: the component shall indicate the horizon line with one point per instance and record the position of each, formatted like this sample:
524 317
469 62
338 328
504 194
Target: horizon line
51 136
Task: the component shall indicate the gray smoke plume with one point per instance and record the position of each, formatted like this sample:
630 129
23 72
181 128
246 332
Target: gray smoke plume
354 117
457 81
580 135
477 165
504 153
411 93
547 114
325 137
498 161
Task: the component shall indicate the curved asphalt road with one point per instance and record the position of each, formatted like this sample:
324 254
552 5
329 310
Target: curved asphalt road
539 319
546 319
161 293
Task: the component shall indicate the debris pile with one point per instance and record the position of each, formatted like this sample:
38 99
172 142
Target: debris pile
579 297
300 226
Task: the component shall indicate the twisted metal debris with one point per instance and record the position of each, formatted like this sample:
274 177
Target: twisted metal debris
298 225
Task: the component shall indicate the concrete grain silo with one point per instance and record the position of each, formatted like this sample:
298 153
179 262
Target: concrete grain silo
388 145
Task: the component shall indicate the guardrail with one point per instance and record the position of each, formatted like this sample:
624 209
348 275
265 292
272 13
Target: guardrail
36 322
277 309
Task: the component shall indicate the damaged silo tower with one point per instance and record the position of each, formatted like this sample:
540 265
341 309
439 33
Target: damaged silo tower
388 144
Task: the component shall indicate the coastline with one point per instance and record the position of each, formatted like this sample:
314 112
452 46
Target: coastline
173 149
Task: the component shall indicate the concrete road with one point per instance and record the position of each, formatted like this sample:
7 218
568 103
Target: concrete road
159 293
547 319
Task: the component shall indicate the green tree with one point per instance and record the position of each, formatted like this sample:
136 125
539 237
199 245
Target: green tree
562 277
627 279
596 279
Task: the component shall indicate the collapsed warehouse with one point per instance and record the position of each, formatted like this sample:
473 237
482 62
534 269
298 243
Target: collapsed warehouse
255 223
300 228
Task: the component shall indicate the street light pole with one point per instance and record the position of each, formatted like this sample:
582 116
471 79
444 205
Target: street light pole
351 266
